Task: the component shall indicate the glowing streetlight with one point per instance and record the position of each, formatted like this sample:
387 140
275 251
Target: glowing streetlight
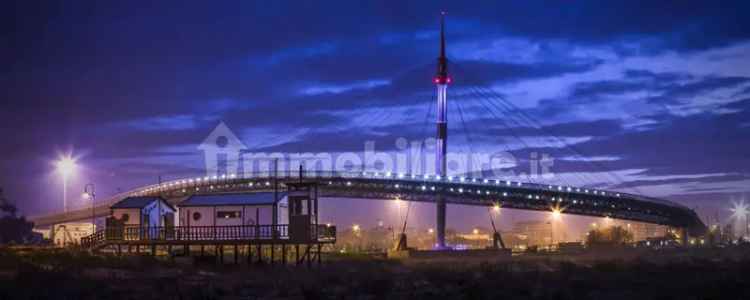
355 228
475 231
66 166
740 211
430 231
556 215
496 208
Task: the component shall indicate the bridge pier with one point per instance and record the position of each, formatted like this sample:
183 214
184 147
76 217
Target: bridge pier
440 226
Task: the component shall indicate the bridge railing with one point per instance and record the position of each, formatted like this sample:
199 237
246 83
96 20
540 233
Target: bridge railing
218 180
319 233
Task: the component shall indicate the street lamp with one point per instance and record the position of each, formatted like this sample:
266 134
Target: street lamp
90 194
740 211
66 166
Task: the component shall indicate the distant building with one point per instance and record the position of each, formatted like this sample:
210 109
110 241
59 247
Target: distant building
644 231
531 233
144 212
233 209
71 233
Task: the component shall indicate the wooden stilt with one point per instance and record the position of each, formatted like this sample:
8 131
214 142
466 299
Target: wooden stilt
283 254
320 259
221 254
272 255
260 253
249 254
235 254
309 256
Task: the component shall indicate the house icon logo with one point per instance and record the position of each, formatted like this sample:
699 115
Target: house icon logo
221 151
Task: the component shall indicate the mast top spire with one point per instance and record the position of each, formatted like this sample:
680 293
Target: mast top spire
442 71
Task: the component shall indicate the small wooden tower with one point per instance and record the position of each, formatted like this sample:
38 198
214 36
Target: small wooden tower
303 210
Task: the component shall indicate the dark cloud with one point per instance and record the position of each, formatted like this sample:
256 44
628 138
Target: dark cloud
122 82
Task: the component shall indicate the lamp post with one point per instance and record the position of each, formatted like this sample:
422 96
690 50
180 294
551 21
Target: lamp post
90 193
66 165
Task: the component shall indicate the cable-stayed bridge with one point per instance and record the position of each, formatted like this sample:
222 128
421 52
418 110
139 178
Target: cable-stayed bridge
438 188
421 188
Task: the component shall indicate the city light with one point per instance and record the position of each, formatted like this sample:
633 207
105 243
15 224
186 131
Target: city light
496 208
556 215
475 231
66 165
739 210
430 230
355 228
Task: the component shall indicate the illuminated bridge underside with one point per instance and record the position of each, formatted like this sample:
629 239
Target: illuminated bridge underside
455 190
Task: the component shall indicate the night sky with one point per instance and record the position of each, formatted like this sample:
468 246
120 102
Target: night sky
652 98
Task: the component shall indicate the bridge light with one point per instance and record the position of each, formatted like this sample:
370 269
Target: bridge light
485 181
438 177
462 179
450 178
460 190
473 180
397 186
400 175
569 189
388 174
232 175
505 194
432 188
518 183
348 183
424 187
507 182
556 214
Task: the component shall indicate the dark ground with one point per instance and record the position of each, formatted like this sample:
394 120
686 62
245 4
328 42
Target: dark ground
694 274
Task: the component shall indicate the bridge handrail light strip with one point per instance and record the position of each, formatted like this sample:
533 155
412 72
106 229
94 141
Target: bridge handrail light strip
479 190
420 177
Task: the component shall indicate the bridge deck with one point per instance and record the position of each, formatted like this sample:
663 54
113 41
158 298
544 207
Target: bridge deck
457 190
